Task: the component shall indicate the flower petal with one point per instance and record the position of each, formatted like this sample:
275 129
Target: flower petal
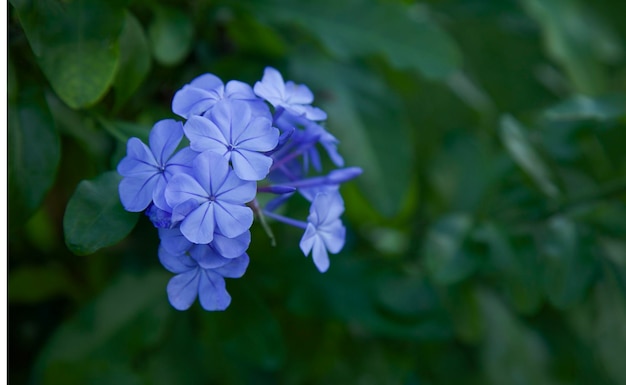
239 90
250 165
308 238
173 241
236 268
136 193
199 225
176 264
212 291
231 247
139 161
320 256
183 187
190 101
207 257
182 289
208 82
232 220
298 93
204 135
237 191
164 138
258 136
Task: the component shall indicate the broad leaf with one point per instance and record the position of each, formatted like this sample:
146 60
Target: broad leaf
34 154
94 217
75 44
445 255
119 326
406 37
171 36
135 60
516 141
372 128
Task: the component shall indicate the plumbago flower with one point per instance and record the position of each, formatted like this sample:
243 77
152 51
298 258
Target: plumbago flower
243 141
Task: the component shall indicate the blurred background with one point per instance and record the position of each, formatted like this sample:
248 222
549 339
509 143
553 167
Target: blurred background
486 236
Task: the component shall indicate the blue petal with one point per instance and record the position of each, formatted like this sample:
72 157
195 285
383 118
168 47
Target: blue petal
334 236
208 82
182 289
136 193
231 247
164 138
182 188
232 220
250 165
235 268
173 241
212 291
176 264
207 257
204 135
181 210
139 161
308 239
199 225
190 101
239 90
236 191
210 170
259 135
297 93
320 255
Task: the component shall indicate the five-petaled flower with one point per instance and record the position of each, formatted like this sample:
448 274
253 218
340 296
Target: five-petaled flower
203 198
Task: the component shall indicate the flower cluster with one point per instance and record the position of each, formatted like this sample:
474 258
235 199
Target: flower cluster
202 197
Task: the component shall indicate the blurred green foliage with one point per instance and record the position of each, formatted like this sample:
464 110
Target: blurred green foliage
486 236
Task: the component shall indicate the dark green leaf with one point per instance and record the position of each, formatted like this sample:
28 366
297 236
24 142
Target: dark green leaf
515 139
582 107
171 36
34 154
569 263
446 258
94 217
127 319
578 40
407 37
52 280
75 44
372 128
135 60
512 352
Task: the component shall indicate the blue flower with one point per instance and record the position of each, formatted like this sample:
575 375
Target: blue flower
233 132
293 98
324 232
146 170
200 273
174 242
205 91
213 198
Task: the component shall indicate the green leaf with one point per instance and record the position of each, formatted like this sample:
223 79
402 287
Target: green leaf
12 83
446 258
171 36
51 281
570 266
512 352
515 139
578 40
94 217
581 107
119 326
516 267
75 44
372 127
135 60
405 36
34 154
